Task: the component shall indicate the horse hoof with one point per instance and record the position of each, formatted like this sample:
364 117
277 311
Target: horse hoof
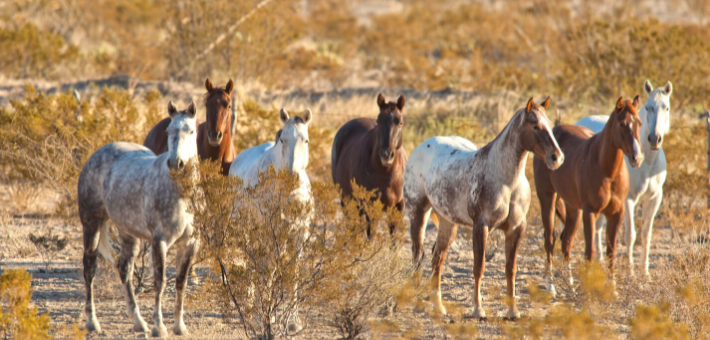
93 326
180 329
551 289
513 314
439 309
160 332
141 326
478 313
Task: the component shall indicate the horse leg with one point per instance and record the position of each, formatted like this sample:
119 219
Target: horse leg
130 247
159 249
418 214
612 227
512 242
185 254
630 236
547 211
567 238
480 236
599 228
446 236
650 208
589 218
92 229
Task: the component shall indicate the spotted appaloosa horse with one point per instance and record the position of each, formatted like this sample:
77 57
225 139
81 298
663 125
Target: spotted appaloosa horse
485 189
592 181
130 185
646 181
214 137
370 151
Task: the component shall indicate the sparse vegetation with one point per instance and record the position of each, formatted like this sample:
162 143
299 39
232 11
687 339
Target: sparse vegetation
48 246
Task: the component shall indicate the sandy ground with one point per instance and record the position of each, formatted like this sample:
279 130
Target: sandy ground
59 290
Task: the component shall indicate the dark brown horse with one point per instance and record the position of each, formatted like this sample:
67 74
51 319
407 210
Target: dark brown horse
593 180
214 137
371 152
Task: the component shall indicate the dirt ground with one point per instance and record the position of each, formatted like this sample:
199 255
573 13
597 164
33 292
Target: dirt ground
59 290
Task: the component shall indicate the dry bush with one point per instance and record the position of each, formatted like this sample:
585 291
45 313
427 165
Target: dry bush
48 246
17 319
28 52
254 241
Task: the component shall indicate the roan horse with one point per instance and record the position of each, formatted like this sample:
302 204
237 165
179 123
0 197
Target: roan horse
592 181
214 137
485 189
130 185
289 152
370 151
646 181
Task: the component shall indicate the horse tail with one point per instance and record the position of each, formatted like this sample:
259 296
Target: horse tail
105 244
434 219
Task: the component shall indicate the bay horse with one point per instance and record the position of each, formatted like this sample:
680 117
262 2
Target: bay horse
214 137
128 184
483 188
288 152
593 180
370 151
646 181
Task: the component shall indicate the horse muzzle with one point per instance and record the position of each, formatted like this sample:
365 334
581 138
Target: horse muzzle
214 137
386 157
655 141
636 159
555 160
176 164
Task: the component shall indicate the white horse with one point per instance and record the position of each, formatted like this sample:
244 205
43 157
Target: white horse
646 181
288 152
483 188
130 185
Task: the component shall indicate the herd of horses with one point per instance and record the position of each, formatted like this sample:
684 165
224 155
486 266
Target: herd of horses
603 166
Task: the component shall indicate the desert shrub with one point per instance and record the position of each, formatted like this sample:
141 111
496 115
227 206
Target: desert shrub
48 246
27 52
42 140
258 249
17 319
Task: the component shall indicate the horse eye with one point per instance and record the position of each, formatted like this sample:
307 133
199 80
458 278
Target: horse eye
192 132
306 141
536 127
282 140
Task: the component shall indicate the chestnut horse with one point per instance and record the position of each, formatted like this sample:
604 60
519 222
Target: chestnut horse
483 188
593 180
214 137
370 151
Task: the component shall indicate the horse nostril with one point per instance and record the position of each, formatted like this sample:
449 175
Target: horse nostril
660 138
181 164
649 138
219 134
554 158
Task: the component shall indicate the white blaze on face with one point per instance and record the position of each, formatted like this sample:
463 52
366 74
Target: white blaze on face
182 139
547 128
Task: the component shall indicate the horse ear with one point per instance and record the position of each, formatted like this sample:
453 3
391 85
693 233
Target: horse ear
620 103
637 103
668 89
208 85
283 115
172 110
546 103
529 107
647 87
307 116
381 100
192 109
400 102
229 87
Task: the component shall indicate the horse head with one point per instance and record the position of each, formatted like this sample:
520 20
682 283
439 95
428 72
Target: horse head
389 128
537 136
182 139
218 105
657 111
294 140
626 127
